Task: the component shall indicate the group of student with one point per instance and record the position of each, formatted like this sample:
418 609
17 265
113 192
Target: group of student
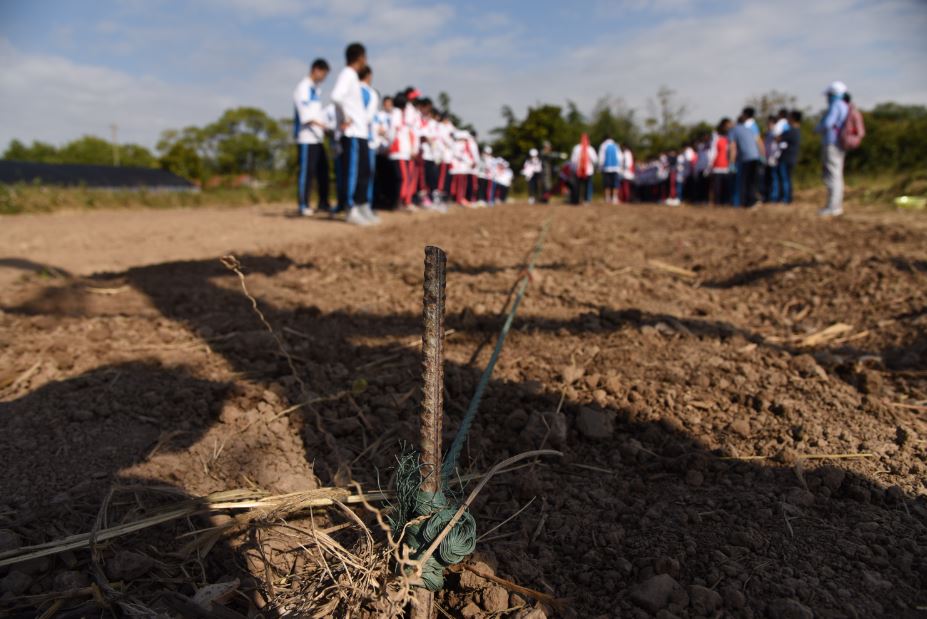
738 164
732 166
398 152
401 152
575 173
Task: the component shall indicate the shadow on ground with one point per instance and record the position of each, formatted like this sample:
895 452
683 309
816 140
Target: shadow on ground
636 495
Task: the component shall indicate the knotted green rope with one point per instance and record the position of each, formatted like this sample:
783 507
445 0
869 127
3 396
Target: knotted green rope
437 511
450 460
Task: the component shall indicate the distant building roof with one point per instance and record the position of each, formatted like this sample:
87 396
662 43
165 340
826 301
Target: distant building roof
110 177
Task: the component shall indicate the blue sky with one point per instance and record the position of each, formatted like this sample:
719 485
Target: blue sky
71 68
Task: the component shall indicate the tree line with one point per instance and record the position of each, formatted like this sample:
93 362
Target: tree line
247 140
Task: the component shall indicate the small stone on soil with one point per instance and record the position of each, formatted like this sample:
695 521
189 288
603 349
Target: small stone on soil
594 424
9 540
495 599
128 565
15 582
657 592
704 600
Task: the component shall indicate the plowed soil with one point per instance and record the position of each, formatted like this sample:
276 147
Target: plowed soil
738 397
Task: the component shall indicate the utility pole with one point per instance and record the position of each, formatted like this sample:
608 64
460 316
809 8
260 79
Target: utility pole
115 128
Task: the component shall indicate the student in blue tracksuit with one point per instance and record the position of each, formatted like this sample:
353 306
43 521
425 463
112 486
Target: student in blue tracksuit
790 146
610 164
309 131
371 99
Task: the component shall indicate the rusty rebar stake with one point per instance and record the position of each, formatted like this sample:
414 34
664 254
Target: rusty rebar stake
433 390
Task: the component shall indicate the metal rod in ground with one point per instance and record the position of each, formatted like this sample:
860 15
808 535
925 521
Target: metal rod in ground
433 391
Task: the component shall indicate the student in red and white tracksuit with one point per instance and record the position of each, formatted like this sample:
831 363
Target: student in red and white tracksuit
444 154
462 164
400 153
429 174
412 120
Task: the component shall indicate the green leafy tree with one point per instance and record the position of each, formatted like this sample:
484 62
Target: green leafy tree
610 117
183 160
542 123
244 139
138 156
40 152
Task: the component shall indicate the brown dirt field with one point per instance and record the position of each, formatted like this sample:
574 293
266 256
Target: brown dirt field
704 435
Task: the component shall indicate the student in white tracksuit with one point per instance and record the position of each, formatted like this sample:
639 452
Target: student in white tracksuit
309 131
352 120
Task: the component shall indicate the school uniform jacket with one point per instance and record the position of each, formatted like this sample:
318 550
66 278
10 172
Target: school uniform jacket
307 107
349 104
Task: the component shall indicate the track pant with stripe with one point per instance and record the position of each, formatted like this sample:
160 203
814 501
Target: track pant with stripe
355 172
313 166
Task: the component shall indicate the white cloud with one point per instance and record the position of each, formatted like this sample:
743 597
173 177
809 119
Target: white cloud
263 8
55 99
713 61
716 63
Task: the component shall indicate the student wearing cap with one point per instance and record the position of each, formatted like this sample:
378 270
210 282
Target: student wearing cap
502 180
832 155
309 131
532 171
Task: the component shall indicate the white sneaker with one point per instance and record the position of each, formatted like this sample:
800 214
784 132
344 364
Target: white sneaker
829 212
368 214
530 200
355 217
307 212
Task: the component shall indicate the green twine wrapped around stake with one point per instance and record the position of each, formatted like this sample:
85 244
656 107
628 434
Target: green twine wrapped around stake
435 512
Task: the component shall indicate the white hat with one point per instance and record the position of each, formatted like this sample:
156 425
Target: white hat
836 88
487 150
533 152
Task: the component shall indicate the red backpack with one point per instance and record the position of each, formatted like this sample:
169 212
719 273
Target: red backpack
853 130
